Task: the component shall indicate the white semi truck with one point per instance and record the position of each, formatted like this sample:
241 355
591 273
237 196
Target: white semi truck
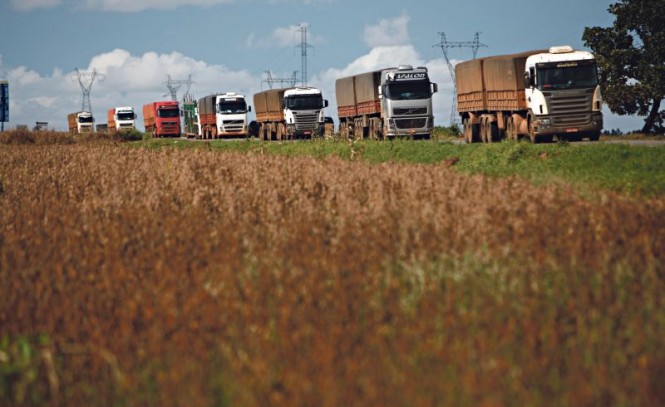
222 115
290 113
121 118
390 102
536 94
81 122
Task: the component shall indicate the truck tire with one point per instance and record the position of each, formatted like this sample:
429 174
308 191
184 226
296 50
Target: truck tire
492 133
595 136
511 132
532 133
468 130
489 132
280 131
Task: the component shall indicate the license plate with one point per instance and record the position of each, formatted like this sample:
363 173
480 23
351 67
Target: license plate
572 130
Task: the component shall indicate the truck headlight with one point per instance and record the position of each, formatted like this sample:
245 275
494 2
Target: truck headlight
545 122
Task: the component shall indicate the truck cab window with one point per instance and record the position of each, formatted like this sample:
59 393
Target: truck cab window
168 113
573 77
308 102
410 90
232 107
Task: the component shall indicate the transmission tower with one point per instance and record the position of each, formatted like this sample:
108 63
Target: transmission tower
303 53
445 45
86 80
288 81
174 86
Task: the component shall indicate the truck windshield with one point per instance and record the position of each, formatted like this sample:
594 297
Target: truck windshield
410 90
168 113
567 77
303 102
125 115
232 107
86 119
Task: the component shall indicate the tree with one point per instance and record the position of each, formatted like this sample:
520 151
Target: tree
631 60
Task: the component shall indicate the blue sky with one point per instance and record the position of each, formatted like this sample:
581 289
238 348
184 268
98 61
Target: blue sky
227 45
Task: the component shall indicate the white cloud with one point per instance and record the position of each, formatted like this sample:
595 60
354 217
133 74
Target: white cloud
388 32
28 5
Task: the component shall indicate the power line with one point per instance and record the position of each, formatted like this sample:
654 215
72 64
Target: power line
270 80
445 45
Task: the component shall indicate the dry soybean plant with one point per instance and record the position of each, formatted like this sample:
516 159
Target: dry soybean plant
172 277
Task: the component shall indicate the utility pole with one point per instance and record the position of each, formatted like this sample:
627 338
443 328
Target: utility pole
445 45
303 52
86 79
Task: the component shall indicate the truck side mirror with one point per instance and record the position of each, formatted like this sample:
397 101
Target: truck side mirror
435 87
325 103
380 90
530 78
249 108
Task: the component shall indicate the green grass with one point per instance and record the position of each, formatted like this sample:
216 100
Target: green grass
633 170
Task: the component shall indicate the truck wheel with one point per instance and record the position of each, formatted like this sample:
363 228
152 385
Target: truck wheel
511 134
491 131
468 130
280 131
594 136
484 131
532 133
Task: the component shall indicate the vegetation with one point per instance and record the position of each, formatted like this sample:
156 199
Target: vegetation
631 58
199 276
616 167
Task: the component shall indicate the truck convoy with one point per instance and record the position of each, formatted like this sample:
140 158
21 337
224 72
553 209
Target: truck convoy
120 118
80 122
290 113
536 94
222 115
162 119
386 103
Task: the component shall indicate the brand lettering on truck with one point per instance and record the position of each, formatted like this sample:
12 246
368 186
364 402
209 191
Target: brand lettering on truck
409 76
567 65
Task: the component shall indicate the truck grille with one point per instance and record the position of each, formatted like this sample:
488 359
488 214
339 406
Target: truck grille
411 123
306 121
399 111
233 125
570 108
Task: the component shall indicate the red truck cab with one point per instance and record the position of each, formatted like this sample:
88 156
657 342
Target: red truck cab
162 119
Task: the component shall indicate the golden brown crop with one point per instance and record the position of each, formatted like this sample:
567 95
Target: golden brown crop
199 278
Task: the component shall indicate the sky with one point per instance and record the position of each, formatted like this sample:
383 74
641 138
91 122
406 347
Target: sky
229 45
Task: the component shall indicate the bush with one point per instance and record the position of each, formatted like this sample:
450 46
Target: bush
35 137
128 135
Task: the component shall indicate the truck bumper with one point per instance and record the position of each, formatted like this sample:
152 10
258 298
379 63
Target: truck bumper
589 124
409 127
